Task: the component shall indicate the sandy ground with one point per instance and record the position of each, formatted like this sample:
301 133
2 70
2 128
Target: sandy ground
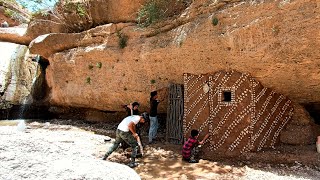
55 152
163 161
51 151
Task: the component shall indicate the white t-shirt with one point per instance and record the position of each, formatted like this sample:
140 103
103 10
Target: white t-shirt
123 126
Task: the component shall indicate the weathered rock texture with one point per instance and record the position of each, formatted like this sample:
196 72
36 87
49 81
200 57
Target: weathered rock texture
3 18
116 11
72 40
262 38
80 15
301 130
14 14
10 13
17 74
239 114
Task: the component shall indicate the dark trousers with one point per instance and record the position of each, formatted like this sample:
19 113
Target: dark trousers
194 154
122 137
124 145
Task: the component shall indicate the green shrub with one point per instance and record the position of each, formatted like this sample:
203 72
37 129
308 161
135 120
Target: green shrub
8 12
215 21
90 66
153 81
275 30
123 39
88 80
9 1
81 9
99 65
151 12
41 13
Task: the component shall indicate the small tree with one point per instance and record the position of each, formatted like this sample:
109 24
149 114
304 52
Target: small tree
123 39
71 14
151 12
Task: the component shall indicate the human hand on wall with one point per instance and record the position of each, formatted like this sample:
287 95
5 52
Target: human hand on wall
130 106
204 139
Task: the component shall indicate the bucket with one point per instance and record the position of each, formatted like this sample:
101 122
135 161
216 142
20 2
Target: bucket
318 144
21 126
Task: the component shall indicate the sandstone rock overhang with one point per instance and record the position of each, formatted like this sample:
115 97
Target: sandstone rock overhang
14 35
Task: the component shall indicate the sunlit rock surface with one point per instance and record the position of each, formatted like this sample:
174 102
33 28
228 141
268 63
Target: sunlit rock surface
17 73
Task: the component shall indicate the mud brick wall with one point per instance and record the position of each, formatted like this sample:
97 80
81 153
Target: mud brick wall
236 110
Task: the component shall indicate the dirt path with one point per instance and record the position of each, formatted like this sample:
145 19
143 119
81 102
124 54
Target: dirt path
163 161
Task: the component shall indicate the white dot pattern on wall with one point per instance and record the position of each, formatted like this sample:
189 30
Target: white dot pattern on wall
267 134
266 120
276 134
243 115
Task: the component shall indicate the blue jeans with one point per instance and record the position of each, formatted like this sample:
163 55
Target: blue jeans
153 128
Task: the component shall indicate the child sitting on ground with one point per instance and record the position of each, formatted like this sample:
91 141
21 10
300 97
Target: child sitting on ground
190 147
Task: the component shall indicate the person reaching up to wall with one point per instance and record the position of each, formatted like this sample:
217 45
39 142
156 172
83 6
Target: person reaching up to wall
154 101
190 148
132 108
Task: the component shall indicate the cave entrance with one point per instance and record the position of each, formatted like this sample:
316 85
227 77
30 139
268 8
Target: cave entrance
314 111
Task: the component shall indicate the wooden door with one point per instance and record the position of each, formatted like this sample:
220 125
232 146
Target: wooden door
175 114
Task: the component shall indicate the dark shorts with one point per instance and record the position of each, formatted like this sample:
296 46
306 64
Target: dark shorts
185 159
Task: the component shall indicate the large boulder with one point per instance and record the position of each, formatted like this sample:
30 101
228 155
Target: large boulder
302 126
49 44
15 35
13 21
300 135
61 152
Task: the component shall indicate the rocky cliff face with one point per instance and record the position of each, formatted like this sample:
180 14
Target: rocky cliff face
274 41
17 70
17 74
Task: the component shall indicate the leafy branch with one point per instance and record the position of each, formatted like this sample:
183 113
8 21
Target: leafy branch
151 12
74 16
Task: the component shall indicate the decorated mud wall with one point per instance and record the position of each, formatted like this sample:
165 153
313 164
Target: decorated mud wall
236 110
